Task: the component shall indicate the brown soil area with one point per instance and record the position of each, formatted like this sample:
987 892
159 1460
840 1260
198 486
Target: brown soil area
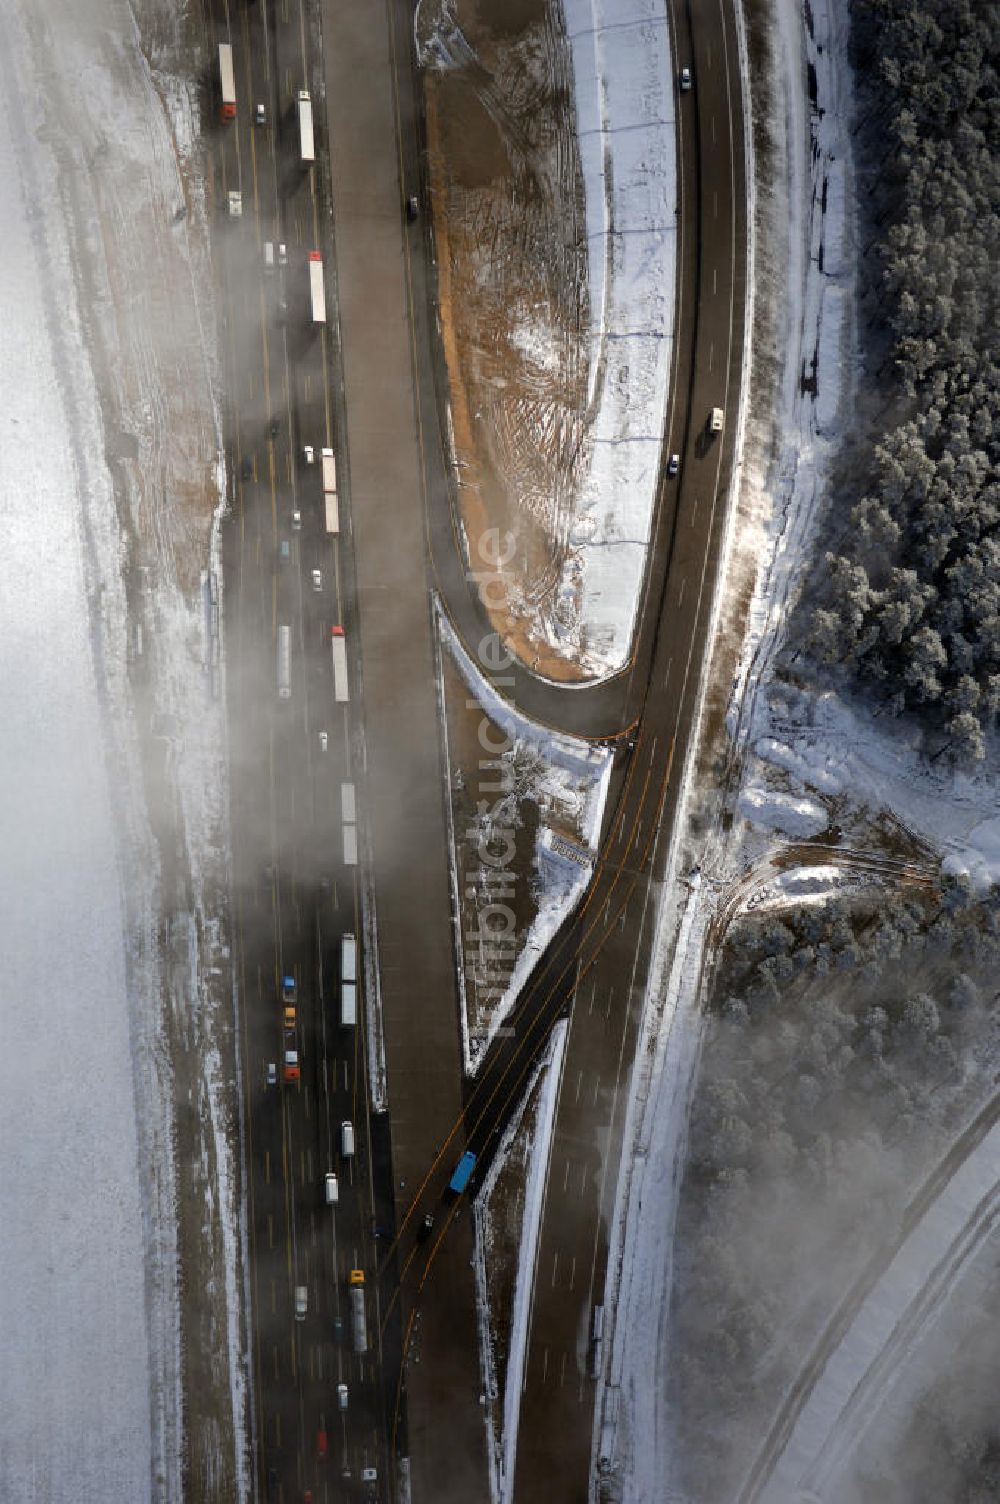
508 213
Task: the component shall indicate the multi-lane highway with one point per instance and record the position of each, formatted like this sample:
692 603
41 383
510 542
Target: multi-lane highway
295 895
365 386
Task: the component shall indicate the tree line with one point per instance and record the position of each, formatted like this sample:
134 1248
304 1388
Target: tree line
913 595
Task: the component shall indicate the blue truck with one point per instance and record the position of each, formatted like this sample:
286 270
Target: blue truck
463 1173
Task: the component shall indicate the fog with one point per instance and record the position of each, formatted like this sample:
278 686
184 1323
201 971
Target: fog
115 818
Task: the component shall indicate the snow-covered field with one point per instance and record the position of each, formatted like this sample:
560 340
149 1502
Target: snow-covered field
556 247
80 1416
624 96
503 1410
109 474
568 783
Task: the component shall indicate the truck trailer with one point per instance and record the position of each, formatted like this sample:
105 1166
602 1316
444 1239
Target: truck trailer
316 291
358 1323
306 143
284 663
350 845
227 81
339 648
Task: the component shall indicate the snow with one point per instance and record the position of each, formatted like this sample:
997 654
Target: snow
75 1386
888 1327
979 857
623 91
773 810
571 781
103 959
503 1450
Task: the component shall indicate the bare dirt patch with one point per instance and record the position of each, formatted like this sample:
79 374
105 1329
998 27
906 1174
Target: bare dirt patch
510 239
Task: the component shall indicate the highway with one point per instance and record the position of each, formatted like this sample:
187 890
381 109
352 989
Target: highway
294 896
365 385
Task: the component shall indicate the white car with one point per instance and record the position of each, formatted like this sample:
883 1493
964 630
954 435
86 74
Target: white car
331 1188
324 741
296 521
317 579
282 254
674 464
272 1073
369 1475
260 115
715 420
309 454
685 80
342 1396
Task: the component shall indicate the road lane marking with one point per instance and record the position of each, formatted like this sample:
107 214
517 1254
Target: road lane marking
545 1365
572 1273
270 1230
555 1266
267 1166
713 130
680 593
562 1371
565 1177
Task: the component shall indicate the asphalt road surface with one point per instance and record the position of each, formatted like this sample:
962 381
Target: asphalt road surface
295 895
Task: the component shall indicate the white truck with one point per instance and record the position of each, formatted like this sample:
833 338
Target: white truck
284 662
350 845
330 491
338 645
348 980
306 143
316 291
358 1319
227 81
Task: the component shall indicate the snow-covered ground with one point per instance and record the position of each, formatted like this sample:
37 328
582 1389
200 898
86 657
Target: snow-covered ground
562 444
502 1419
86 1389
624 97
109 473
570 782
888 1330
